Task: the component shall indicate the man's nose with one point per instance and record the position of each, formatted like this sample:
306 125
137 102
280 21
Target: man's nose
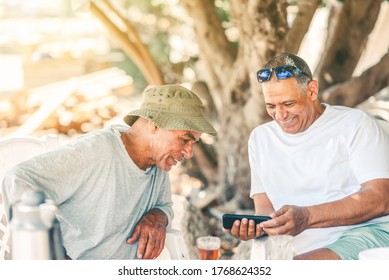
280 113
188 151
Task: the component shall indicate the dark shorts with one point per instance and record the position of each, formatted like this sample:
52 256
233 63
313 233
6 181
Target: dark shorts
356 240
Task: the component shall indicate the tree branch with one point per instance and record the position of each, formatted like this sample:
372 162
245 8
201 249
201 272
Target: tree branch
132 45
358 89
134 37
300 26
356 19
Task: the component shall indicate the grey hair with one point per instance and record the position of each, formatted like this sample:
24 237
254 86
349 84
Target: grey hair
287 59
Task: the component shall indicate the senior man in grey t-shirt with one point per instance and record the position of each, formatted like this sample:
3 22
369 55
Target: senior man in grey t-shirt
112 186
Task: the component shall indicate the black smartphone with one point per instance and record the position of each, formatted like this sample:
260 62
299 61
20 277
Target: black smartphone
229 219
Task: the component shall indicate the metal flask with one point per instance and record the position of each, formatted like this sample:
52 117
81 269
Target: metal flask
35 232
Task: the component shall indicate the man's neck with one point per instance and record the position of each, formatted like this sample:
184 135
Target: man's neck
135 149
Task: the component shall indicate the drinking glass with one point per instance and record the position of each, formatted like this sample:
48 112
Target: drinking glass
208 247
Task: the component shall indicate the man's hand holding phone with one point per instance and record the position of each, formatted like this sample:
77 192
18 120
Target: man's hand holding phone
244 227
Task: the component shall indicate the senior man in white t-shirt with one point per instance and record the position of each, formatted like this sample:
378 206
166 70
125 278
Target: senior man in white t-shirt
321 172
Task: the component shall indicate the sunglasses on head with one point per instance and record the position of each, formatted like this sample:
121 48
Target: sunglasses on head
282 72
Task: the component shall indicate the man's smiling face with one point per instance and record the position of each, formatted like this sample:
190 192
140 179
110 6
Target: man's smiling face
172 146
292 109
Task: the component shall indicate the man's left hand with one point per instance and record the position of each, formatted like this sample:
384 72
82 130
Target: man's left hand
151 232
290 220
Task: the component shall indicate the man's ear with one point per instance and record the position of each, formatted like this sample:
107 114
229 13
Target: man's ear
313 89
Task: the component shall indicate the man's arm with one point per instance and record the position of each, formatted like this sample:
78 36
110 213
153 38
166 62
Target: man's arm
370 202
151 232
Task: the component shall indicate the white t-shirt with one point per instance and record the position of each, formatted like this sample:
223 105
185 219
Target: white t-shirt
342 149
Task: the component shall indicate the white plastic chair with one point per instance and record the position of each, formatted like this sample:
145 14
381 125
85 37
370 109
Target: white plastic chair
175 247
279 247
12 151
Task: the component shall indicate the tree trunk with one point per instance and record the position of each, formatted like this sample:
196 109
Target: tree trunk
231 79
228 84
346 41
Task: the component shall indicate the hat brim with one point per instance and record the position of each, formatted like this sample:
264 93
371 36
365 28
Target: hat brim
172 121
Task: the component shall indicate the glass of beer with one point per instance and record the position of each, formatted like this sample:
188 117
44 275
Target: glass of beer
208 247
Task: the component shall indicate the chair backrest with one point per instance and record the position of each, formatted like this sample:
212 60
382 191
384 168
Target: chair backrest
12 151
175 246
175 243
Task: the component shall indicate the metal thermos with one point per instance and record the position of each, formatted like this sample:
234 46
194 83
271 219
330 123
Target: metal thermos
35 232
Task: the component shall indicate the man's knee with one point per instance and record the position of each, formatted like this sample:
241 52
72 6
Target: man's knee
318 254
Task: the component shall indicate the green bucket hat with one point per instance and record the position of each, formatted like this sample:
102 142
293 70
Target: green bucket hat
172 107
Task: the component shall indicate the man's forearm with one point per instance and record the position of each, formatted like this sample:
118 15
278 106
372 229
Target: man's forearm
370 202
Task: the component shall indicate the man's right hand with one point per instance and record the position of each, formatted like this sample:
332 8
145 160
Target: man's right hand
151 232
245 229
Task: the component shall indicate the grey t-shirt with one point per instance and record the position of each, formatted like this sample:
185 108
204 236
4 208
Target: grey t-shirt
100 191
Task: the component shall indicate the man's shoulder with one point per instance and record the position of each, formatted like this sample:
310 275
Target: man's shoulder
348 111
348 121
270 125
108 133
265 130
